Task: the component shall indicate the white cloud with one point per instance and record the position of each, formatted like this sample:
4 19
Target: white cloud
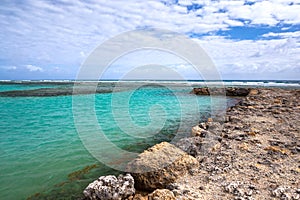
82 54
33 68
10 68
79 26
295 34
63 32
261 12
233 22
248 56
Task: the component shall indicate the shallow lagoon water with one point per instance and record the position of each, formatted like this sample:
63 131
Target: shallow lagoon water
41 151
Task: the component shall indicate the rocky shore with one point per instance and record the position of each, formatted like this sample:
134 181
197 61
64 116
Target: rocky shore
253 152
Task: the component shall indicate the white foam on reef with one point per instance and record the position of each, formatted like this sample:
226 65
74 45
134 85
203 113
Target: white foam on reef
188 83
246 83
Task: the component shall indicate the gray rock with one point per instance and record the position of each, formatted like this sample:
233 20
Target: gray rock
285 193
191 146
198 131
241 190
110 188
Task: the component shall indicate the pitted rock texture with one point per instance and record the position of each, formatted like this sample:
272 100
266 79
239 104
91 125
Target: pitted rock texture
160 166
255 152
110 188
161 194
229 91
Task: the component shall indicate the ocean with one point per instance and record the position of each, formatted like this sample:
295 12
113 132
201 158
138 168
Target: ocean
42 128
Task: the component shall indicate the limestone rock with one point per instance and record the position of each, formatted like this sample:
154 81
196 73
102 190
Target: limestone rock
237 91
197 131
288 193
139 197
191 146
253 92
110 188
161 194
160 166
201 91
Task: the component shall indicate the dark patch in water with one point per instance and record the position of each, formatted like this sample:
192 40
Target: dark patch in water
78 180
73 188
80 173
50 92
63 89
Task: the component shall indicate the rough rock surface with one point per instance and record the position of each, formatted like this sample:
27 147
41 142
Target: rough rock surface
110 188
161 194
201 91
191 146
161 165
229 91
255 152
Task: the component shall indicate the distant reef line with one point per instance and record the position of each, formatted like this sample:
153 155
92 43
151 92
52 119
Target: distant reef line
85 88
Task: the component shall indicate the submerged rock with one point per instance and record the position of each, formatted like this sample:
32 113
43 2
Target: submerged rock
160 166
110 188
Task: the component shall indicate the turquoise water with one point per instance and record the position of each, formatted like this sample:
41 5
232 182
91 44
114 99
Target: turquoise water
8 87
40 145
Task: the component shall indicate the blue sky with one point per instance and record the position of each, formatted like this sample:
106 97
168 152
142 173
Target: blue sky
246 39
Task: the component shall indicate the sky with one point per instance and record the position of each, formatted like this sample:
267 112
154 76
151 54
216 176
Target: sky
245 39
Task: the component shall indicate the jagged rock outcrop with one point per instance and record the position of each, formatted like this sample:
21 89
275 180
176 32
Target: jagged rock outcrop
160 166
110 188
201 91
230 91
237 91
252 154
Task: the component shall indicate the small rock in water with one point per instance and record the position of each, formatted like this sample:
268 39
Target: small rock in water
110 188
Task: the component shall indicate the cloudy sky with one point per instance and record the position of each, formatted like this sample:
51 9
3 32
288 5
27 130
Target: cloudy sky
246 39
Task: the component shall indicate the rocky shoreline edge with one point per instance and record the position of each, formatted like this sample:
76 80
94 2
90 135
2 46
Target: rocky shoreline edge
253 153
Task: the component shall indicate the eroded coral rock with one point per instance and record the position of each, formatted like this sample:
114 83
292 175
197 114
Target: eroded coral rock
241 190
160 166
286 193
161 194
110 188
230 91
